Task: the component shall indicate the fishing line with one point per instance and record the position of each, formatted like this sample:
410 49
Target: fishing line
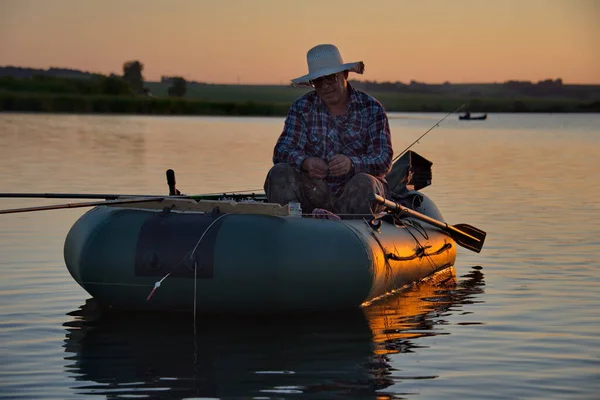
156 286
192 257
195 330
195 292
204 234
428 130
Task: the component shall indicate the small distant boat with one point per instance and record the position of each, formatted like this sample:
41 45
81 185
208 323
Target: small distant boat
472 118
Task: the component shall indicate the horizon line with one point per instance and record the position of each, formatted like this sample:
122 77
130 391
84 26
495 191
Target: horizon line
238 83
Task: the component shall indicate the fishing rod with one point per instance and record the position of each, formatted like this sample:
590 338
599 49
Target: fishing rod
115 196
86 204
109 199
100 196
173 193
429 130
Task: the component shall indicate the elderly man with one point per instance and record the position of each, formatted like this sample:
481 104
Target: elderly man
335 147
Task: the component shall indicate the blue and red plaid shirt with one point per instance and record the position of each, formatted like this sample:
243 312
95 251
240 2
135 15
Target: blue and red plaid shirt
362 134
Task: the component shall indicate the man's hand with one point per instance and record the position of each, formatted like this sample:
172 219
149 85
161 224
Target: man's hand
316 168
340 165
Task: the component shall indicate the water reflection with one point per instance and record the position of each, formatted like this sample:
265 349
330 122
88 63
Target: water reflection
328 356
46 151
419 312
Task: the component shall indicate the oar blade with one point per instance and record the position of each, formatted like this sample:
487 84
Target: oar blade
468 236
465 235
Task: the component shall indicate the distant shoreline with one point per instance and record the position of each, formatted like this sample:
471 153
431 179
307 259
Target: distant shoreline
60 90
145 105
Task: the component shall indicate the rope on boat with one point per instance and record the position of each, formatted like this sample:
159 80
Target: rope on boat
416 225
421 249
423 232
388 267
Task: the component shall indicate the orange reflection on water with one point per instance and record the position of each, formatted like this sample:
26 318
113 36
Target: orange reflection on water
397 319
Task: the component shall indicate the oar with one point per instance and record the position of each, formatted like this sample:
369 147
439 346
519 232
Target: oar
78 205
465 235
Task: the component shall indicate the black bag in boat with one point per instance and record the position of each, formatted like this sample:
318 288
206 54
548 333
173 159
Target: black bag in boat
409 172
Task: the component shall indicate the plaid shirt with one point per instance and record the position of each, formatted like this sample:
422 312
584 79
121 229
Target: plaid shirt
362 134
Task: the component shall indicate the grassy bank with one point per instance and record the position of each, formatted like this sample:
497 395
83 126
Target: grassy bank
69 103
271 101
393 101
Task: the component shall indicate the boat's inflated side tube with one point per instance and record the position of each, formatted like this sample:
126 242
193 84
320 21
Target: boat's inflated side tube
246 263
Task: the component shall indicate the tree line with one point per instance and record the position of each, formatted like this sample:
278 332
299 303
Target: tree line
542 88
131 82
67 90
64 80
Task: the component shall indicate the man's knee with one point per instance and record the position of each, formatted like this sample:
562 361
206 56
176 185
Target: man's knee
281 184
355 197
363 183
280 175
280 170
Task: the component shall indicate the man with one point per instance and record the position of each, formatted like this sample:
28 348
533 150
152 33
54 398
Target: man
335 148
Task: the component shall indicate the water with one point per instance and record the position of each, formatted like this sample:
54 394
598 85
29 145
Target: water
520 320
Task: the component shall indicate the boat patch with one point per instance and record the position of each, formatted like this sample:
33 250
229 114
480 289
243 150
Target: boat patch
177 243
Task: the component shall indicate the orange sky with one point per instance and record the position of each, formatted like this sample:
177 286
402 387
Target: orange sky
265 41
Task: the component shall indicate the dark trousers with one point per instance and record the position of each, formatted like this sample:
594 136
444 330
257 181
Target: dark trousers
285 184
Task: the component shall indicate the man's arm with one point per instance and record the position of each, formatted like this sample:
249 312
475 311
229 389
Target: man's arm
290 145
377 160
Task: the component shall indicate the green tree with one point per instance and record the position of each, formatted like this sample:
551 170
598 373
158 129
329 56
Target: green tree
114 85
132 74
178 87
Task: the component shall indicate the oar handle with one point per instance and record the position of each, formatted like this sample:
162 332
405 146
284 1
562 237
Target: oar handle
390 205
393 206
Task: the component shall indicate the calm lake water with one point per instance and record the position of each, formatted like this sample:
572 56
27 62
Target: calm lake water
520 321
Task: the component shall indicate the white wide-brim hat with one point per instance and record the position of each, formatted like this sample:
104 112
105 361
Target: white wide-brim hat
325 59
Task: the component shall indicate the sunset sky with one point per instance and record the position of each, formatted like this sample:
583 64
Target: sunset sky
265 41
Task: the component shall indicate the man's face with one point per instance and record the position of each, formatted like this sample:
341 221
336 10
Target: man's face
332 89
